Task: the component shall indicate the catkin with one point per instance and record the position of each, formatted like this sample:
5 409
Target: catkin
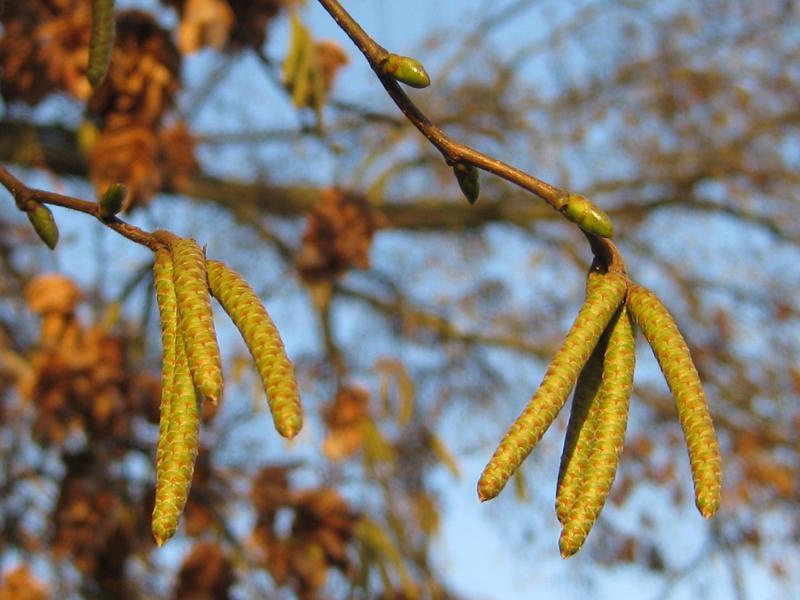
179 452
580 432
676 363
598 309
101 42
168 312
195 320
264 342
613 400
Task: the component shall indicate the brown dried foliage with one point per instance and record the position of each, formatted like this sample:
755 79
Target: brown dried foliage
338 236
206 572
81 380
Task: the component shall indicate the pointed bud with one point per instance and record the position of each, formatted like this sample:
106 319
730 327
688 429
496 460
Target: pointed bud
43 222
467 177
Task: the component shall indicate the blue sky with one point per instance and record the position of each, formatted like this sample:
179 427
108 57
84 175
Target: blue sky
503 549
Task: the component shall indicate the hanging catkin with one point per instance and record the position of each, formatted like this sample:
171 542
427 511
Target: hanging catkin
101 42
613 399
676 364
179 453
264 342
600 305
168 313
195 320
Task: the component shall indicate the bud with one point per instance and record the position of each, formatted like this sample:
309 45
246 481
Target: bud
588 216
43 223
467 177
112 200
406 70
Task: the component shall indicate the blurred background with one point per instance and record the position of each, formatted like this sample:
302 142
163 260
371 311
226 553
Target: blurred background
419 325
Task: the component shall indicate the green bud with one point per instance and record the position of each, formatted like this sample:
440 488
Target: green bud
467 177
588 216
112 200
43 222
406 70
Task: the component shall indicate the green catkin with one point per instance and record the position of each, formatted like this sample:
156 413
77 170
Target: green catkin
179 452
264 342
580 432
598 309
195 319
168 312
102 41
43 223
676 364
600 469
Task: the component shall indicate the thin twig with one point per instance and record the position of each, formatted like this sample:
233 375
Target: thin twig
452 151
23 195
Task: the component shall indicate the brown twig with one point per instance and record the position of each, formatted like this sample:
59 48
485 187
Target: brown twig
452 151
23 195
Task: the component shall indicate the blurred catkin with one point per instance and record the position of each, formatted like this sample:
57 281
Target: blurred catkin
101 42
264 342
676 363
195 320
601 303
611 421
180 451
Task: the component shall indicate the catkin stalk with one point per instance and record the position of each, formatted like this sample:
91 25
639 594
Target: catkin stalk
606 446
676 364
179 453
195 319
601 303
264 342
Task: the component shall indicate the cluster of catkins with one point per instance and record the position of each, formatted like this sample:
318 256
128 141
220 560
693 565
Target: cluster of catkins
597 358
191 370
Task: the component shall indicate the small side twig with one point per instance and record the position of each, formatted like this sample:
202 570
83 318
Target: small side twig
23 195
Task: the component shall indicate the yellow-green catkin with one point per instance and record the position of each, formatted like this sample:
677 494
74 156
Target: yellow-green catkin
168 313
676 364
601 303
613 400
195 319
101 42
264 342
179 452
580 432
